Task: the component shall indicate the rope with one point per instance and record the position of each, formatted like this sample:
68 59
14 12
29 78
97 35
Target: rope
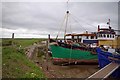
70 25
65 18
60 27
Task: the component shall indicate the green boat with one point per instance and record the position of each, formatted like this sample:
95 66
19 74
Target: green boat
66 55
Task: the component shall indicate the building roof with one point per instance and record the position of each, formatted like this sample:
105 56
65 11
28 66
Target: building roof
106 32
80 34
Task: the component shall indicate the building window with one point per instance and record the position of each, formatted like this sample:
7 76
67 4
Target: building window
86 37
92 37
104 35
75 37
113 36
100 35
96 37
110 35
107 35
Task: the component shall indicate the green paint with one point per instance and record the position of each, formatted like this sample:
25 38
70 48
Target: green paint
60 52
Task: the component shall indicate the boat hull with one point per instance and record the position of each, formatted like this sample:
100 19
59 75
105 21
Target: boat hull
105 58
61 54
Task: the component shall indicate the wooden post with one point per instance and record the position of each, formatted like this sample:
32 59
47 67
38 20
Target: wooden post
49 37
12 35
47 54
12 39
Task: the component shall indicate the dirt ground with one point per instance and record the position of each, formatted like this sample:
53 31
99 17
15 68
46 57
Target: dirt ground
68 71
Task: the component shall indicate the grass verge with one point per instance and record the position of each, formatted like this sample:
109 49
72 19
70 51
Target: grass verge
15 64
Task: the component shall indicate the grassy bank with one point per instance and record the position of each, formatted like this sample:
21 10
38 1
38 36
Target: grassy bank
15 64
20 41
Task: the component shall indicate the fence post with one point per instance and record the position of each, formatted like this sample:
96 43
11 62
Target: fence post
12 39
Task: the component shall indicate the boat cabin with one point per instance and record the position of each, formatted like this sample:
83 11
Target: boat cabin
87 38
106 33
106 37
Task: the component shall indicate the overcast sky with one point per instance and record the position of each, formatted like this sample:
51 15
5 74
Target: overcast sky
37 19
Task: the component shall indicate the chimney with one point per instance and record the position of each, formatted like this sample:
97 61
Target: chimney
98 28
86 32
110 27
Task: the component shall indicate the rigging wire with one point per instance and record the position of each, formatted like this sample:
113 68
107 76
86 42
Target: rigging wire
84 22
67 4
61 26
70 25
78 23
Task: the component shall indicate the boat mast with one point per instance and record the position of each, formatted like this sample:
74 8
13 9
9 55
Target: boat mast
67 13
109 23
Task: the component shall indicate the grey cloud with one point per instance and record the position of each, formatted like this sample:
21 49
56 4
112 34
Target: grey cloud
45 16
